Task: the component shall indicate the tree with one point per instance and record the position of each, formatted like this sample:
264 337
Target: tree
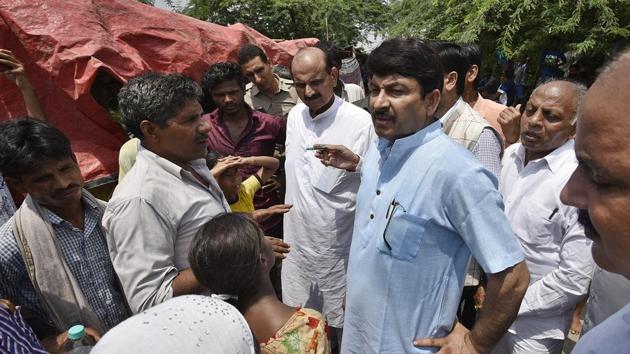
588 28
343 21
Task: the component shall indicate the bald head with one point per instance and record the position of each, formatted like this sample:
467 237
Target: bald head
312 56
314 79
548 120
569 92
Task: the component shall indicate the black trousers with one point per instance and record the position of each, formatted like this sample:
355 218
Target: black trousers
466 313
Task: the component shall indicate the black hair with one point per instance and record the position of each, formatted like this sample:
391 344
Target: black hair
225 256
452 58
212 158
26 142
249 52
222 72
472 53
156 97
333 56
408 57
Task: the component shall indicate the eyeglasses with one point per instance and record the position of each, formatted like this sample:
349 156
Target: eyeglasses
388 215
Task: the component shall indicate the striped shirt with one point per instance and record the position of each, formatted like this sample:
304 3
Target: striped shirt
15 335
85 251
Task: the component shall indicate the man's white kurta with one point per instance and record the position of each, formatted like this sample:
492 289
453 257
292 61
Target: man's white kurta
319 226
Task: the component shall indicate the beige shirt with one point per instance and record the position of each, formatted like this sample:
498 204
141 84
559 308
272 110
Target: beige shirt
150 221
278 105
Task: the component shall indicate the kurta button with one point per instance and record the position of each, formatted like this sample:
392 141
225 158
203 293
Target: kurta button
378 192
371 216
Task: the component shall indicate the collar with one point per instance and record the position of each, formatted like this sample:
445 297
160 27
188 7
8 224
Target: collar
413 141
89 208
453 112
256 91
216 116
554 160
330 112
167 165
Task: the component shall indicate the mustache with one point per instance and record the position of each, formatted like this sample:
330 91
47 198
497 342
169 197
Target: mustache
584 219
312 97
67 189
382 112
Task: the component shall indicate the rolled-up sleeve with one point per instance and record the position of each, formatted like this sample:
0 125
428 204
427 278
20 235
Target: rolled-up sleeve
566 285
142 248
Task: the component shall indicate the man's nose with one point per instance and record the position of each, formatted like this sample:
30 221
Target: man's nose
379 101
204 126
308 91
575 191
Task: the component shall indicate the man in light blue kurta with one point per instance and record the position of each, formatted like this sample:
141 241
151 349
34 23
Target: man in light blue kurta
424 205
445 206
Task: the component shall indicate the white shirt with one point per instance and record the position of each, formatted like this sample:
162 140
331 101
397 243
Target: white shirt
155 212
610 337
557 253
319 226
351 92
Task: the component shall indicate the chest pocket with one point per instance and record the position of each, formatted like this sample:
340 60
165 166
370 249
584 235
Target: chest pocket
403 235
325 179
538 224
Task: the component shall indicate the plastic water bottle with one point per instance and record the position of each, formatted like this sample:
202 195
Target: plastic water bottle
78 342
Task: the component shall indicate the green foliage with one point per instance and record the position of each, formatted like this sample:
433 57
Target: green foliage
343 21
589 28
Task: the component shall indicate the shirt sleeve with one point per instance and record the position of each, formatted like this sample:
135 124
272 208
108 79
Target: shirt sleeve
127 157
566 285
251 185
475 209
142 248
488 151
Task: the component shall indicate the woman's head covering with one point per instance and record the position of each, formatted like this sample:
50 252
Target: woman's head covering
184 324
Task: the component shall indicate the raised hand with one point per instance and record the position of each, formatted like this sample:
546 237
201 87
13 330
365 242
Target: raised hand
13 69
510 121
337 156
224 164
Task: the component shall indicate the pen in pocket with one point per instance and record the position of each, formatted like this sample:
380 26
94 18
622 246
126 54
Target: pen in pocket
553 213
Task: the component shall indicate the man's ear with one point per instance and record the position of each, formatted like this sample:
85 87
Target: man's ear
264 262
450 81
471 74
149 129
335 74
431 102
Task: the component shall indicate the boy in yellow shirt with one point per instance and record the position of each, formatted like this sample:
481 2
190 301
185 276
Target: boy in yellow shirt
239 193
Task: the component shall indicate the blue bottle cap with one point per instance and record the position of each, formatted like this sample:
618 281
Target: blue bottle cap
76 332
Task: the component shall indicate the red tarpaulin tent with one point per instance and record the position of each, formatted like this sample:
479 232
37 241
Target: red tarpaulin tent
64 44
